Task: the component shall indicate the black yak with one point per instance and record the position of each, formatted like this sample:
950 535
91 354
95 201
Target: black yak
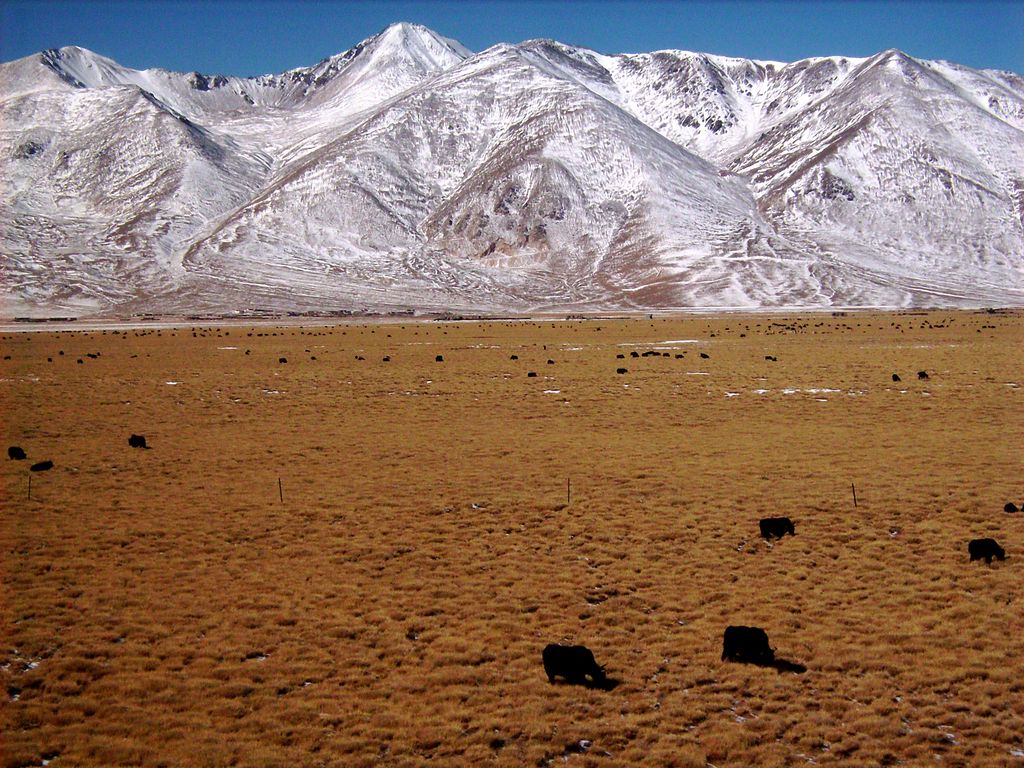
776 527
42 466
573 662
16 454
137 441
748 645
985 549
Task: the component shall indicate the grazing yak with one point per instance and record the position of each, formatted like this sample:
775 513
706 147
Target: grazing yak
922 375
16 454
42 466
137 441
987 549
573 662
439 359
748 645
1010 506
896 377
622 370
776 527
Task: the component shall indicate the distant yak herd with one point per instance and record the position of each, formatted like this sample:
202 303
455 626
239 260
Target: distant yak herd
922 375
17 453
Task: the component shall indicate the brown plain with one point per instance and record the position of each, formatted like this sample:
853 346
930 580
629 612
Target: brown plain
165 607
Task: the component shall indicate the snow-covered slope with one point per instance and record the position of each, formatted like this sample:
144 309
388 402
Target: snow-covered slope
409 172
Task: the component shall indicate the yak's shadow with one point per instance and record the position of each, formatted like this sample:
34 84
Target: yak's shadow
784 665
779 665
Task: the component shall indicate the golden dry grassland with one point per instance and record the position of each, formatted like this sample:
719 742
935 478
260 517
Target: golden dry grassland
165 607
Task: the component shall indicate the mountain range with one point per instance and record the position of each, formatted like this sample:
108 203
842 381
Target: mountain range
411 173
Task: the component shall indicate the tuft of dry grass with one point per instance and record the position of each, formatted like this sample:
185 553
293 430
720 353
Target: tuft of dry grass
166 607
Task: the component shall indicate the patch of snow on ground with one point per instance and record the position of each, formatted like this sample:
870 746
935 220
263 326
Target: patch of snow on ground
670 342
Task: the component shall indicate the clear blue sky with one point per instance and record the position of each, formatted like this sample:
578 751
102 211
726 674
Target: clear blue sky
253 37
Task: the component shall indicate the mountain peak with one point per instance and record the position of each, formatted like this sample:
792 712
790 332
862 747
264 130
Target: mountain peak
407 35
893 55
80 67
406 28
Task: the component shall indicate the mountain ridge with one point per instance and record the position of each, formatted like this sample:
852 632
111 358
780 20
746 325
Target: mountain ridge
409 172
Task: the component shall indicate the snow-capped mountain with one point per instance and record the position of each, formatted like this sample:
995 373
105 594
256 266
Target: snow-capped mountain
409 172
